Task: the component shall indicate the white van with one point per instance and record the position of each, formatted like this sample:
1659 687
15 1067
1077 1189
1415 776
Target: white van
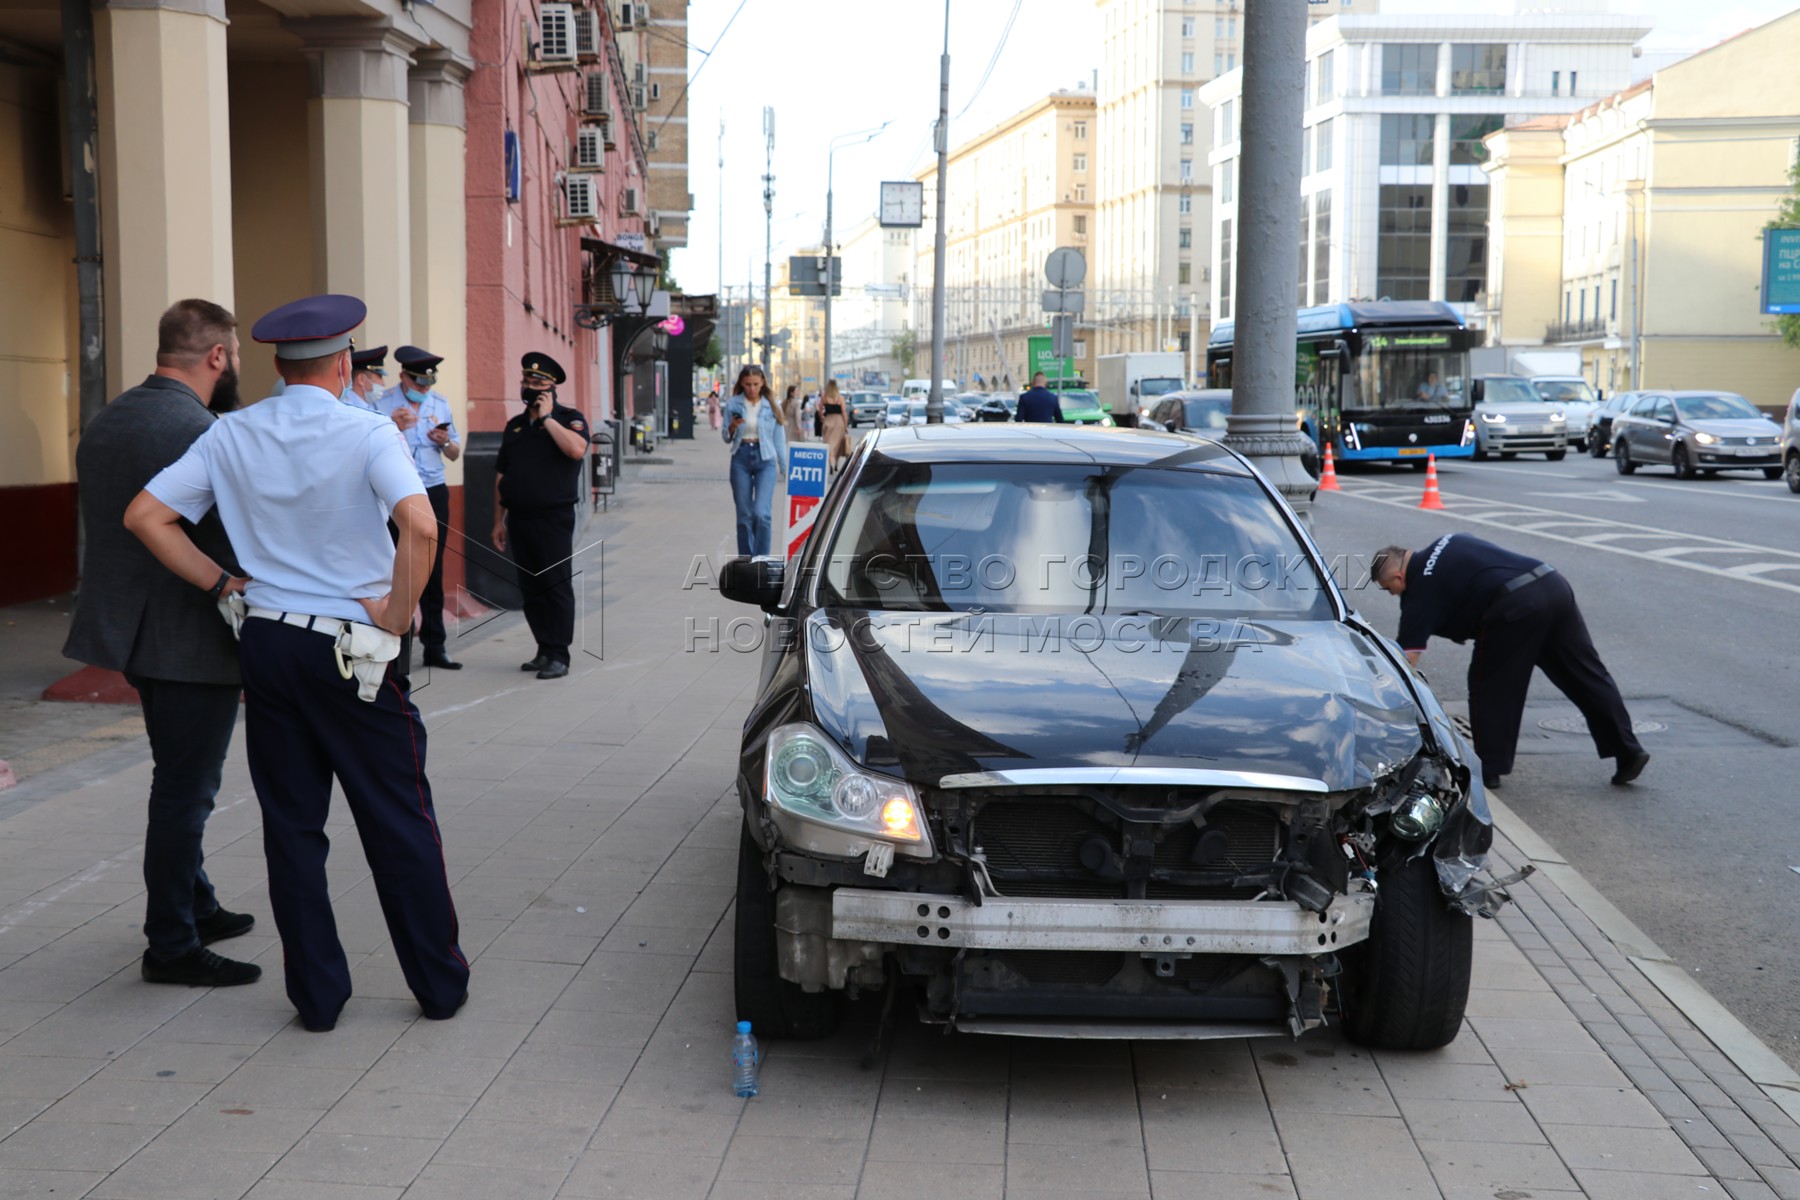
922 387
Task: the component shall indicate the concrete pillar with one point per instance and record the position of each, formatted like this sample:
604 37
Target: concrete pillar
360 151
439 246
165 168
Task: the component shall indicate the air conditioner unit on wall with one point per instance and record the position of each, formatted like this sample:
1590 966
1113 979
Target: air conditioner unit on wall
556 32
580 202
628 202
590 149
596 96
587 34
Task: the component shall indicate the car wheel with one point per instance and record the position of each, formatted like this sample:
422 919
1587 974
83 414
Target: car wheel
1678 458
1420 465
1554 455
1772 472
1480 454
1406 987
774 1007
1508 455
1622 458
1596 445
1793 473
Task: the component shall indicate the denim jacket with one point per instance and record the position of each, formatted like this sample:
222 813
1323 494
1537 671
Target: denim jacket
773 437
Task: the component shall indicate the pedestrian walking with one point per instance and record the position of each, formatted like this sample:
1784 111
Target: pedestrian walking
753 430
789 411
1038 403
713 407
303 484
133 615
1521 613
429 427
834 425
368 380
537 486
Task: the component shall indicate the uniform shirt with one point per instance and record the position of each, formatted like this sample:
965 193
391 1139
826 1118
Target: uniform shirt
427 455
304 484
1449 586
370 405
535 473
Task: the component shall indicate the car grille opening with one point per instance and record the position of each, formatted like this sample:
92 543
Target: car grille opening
1062 966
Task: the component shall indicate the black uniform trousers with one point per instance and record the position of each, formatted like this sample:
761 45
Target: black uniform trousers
1539 625
431 600
304 725
543 543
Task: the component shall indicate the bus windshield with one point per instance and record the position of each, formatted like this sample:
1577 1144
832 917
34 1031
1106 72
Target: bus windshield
1399 371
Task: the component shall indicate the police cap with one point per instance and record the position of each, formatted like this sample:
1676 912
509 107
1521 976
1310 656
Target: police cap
422 363
542 366
370 360
311 328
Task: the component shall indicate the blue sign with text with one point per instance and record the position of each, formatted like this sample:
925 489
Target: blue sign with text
806 471
1781 271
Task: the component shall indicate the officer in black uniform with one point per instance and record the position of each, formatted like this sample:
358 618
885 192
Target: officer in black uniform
537 486
1521 613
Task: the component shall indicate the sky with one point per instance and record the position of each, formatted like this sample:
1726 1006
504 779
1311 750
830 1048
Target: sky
831 68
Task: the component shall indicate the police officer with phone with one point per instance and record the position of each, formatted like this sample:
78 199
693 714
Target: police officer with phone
429 427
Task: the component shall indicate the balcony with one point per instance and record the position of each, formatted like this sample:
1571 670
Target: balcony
1586 330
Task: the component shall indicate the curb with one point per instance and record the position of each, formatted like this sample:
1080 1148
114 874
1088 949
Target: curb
1766 1069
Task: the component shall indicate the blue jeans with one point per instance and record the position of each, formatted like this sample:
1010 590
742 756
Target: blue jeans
753 493
189 725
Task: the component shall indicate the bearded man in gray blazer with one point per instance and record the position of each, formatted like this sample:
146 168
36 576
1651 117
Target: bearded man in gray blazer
169 639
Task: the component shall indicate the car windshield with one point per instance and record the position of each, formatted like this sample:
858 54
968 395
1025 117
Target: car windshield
897 406
1509 391
1562 391
1042 538
1206 412
1715 408
1158 387
1078 401
918 407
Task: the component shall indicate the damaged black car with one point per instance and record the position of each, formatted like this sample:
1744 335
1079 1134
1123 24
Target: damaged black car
1071 732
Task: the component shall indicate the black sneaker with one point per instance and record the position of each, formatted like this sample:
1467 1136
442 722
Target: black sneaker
221 925
200 967
1631 766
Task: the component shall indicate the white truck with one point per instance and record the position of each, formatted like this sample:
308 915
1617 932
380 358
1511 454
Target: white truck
1129 384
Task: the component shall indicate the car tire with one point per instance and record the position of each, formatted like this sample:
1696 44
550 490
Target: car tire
1407 986
1508 455
774 1007
1480 454
1418 465
1684 467
1772 472
1792 473
1622 458
1596 445
1555 455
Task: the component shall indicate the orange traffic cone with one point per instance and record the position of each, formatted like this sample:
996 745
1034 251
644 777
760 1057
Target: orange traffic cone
1432 498
1328 477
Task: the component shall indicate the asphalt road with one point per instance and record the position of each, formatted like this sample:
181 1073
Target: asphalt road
1692 593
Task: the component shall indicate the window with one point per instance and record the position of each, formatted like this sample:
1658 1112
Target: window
1306 138
1408 69
1322 155
1081 131
1228 122
1403 249
1614 314
1581 313
1466 132
1187 133
1231 61
1465 258
1187 98
1187 170
1187 27
1185 205
1556 83
1081 162
1218 27
1478 69
1406 139
1185 240
1187 62
1184 273
1325 86
1568 307
1322 248
656 91
1303 241
652 140
1081 193
1231 27
1596 302
1225 274
1227 175
1573 76
1218 64
1080 224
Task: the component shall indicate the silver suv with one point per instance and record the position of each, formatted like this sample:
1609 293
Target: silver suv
1790 444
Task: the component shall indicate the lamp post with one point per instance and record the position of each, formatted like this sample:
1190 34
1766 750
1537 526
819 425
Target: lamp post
934 404
844 139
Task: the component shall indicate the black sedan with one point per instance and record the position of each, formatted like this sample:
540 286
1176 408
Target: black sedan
1599 436
1069 730
997 408
1696 433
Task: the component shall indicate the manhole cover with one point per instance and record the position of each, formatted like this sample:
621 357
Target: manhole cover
1578 725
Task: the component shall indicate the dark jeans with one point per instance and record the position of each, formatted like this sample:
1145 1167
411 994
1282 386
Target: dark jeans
190 728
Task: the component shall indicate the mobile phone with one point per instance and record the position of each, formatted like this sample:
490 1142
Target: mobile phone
445 425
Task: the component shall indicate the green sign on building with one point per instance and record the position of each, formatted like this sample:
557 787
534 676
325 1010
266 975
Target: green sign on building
1042 359
1781 271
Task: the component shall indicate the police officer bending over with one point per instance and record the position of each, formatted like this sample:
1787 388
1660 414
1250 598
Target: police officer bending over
1521 613
536 488
304 484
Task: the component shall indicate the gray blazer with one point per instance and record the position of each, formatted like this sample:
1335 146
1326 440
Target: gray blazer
131 613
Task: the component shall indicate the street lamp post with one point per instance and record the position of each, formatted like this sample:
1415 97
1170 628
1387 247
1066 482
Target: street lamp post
934 404
846 139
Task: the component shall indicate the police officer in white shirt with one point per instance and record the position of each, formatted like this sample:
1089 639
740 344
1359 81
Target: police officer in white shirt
368 380
425 420
304 485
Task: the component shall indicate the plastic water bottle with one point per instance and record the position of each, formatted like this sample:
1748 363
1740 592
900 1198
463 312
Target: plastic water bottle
746 1062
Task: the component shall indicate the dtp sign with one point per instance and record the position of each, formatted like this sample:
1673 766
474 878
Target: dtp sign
806 469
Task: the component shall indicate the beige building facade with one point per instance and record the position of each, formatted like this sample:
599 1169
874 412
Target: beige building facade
1016 192
653 39
1630 231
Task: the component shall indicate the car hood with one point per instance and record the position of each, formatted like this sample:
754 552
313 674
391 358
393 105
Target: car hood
939 694
1525 409
1736 427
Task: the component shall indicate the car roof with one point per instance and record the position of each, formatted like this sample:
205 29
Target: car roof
1048 444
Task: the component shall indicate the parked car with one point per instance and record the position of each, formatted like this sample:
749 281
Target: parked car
1599 440
898 411
867 408
1573 397
998 407
1696 433
1790 444
1082 407
1512 419
1045 800
1203 412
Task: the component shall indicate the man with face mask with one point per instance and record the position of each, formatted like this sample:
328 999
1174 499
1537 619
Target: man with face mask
368 380
537 485
426 422
133 615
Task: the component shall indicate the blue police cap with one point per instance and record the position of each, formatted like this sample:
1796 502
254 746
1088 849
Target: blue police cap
311 328
542 366
415 361
371 359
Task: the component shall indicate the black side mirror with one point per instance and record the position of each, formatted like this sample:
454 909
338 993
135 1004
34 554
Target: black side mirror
755 581
1477 390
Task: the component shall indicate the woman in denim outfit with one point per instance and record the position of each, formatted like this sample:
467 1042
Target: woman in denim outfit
753 430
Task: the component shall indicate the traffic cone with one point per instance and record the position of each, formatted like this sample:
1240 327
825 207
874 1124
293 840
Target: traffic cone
1432 498
1328 477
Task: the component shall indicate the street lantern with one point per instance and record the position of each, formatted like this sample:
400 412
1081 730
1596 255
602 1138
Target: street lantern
645 283
622 273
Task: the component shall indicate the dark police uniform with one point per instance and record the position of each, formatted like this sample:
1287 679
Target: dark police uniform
540 487
303 484
1521 613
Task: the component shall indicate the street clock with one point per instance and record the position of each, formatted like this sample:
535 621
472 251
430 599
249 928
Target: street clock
902 205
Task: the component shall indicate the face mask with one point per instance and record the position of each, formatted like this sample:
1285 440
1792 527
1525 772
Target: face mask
349 397
415 397
530 395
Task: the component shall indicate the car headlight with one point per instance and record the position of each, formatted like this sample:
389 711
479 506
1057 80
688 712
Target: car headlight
1106 420
1494 418
1557 417
1706 439
807 775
